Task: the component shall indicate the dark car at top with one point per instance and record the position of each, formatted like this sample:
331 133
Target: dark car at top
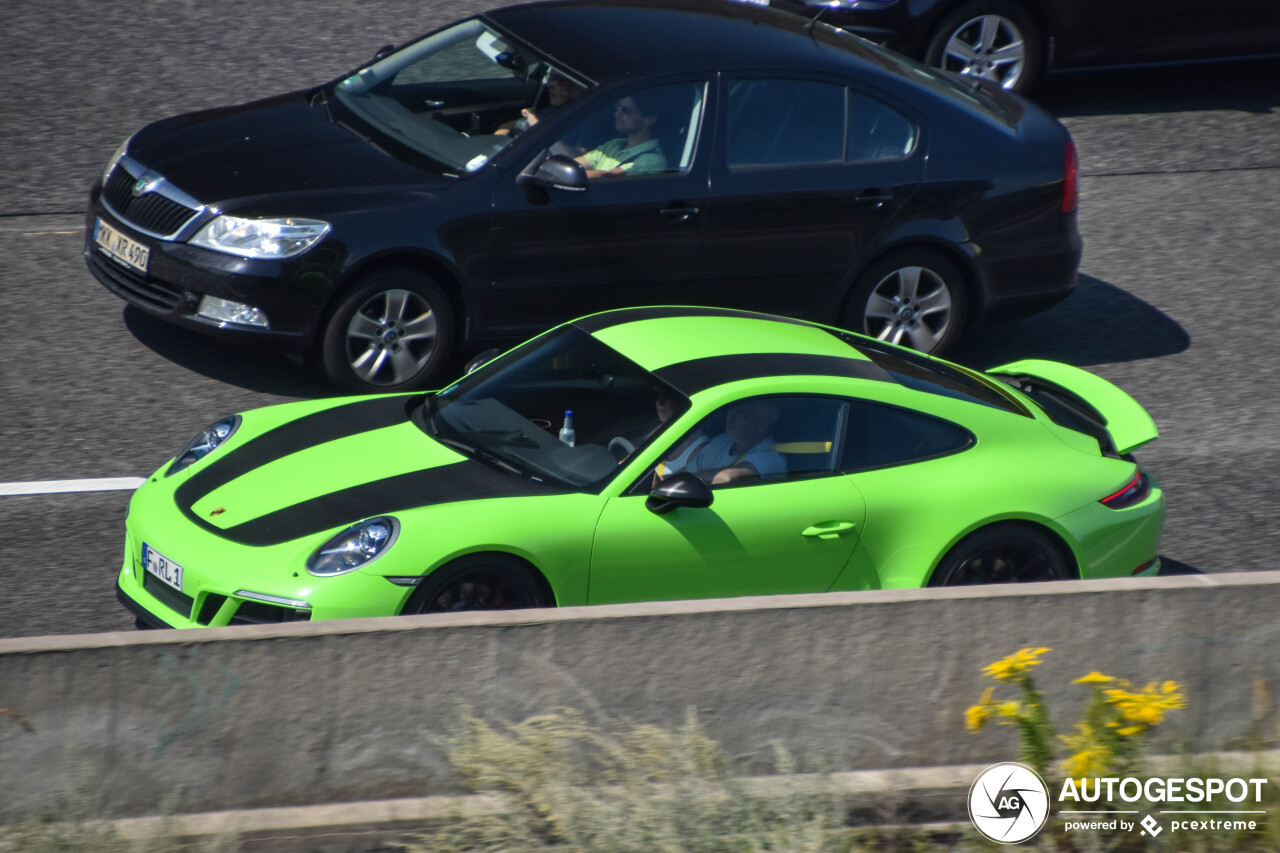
380 221
1015 42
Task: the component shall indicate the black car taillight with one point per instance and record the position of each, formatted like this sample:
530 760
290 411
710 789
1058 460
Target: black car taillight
1134 492
1071 180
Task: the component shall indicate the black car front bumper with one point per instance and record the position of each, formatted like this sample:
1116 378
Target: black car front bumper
292 293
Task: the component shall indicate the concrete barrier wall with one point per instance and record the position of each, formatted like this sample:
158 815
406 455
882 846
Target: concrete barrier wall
128 724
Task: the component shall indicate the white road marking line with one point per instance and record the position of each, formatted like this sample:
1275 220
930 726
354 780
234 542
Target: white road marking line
57 487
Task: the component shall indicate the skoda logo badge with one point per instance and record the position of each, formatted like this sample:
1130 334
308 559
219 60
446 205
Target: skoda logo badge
145 184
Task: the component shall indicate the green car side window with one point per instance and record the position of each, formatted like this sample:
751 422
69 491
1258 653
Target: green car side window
759 440
880 436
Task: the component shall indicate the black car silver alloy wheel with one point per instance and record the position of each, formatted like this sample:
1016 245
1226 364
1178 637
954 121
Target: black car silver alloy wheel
911 297
391 337
392 334
989 47
910 306
991 39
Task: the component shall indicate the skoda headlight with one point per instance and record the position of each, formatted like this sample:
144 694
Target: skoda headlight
261 238
115 158
354 547
204 443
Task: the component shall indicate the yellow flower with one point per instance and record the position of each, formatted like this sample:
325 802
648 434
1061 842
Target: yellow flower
1090 757
1011 709
1094 677
1129 731
1148 706
975 717
1013 667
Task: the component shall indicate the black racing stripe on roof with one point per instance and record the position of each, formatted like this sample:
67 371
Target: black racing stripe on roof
699 374
307 431
466 480
609 319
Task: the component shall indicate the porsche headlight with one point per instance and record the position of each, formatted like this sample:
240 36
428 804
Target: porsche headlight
115 158
354 547
261 238
204 443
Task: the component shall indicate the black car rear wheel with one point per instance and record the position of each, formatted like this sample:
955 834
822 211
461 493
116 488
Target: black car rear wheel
393 332
912 297
478 582
992 39
1006 553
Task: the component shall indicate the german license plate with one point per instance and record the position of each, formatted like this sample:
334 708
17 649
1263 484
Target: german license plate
162 567
120 248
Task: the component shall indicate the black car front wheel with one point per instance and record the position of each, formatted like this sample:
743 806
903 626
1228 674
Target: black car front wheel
992 39
392 333
912 297
1005 553
478 582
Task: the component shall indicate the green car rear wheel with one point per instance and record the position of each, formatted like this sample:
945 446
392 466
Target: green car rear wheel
1003 554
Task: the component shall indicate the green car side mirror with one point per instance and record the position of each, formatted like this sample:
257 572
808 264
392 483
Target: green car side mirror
683 489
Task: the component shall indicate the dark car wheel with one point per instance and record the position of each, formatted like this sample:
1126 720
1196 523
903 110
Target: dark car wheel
912 297
394 332
478 582
1008 553
991 39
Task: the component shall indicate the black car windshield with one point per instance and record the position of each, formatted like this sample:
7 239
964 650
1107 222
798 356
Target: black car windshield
563 409
455 96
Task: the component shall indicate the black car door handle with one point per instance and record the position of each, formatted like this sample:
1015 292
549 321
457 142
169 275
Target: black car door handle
874 198
683 214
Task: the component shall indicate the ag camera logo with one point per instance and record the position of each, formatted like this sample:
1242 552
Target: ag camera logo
1009 803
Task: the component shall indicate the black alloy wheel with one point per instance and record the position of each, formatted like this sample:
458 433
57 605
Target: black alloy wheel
478 582
392 333
1006 553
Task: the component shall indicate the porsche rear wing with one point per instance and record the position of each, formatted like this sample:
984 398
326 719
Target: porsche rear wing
1079 400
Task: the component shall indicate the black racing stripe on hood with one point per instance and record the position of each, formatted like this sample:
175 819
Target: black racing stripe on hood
699 374
307 431
608 319
460 481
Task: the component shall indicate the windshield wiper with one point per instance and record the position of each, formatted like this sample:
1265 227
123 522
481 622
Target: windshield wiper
482 455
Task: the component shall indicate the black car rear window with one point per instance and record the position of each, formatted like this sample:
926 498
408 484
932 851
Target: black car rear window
964 90
921 373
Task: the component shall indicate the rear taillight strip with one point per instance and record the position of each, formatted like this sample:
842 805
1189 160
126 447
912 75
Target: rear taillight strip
1135 491
1071 180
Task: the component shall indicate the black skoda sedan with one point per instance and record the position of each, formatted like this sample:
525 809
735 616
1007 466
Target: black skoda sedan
545 161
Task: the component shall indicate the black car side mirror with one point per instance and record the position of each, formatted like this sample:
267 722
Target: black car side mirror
559 172
683 489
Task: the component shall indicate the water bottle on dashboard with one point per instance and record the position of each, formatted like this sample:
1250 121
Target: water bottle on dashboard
567 434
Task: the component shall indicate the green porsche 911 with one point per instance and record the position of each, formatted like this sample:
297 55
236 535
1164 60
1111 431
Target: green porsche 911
648 454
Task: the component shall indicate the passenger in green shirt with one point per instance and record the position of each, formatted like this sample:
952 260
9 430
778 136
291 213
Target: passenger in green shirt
638 153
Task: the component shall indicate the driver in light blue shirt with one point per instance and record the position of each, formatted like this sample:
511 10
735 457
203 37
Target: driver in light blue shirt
743 451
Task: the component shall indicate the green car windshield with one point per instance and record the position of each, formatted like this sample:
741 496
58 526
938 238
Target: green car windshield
563 409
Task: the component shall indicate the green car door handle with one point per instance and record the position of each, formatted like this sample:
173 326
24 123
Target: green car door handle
828 529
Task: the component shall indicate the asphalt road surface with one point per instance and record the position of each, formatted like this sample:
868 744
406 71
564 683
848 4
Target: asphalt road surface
1180 193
